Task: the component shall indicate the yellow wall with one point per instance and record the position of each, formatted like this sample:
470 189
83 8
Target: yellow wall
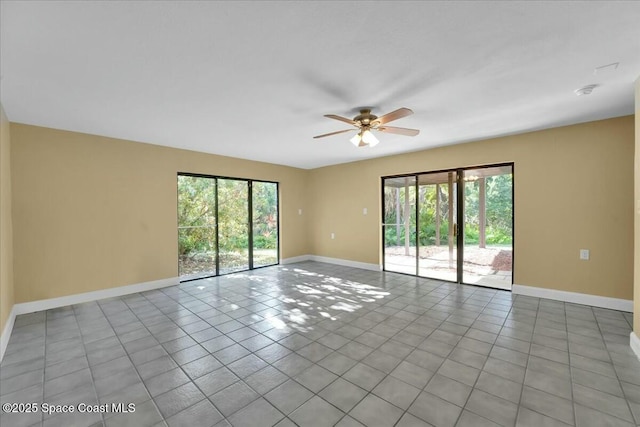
636 280
92 213
573 190
6 227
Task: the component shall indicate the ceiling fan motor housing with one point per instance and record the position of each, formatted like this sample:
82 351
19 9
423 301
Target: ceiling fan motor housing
365 118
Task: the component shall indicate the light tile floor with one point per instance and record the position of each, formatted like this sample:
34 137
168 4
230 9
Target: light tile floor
313 344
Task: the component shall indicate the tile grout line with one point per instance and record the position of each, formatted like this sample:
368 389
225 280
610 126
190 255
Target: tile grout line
526 367
422 390
142 381
86 354
481 369
44 371
573 402
388 338
368 392
126 352
614 370
398 291
169 355
223 364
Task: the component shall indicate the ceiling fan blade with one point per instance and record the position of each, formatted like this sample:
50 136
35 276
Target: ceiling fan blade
342 119
394 115
399 131
333 133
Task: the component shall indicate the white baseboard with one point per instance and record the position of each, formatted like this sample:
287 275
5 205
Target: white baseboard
575 297
634 341
46 304
345 262
328 260
294 259
6 331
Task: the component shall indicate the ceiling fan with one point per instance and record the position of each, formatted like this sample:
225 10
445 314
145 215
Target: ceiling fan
367 122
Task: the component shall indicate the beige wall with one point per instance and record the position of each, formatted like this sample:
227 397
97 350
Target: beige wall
573 190
6 227
636 274
92 213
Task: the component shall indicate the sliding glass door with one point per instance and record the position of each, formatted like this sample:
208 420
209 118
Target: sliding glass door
225 225
264 204
488 226
399 227
233 225
437 225
454 225
197 227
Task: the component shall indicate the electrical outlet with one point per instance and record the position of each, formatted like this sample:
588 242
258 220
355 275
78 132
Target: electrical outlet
584 254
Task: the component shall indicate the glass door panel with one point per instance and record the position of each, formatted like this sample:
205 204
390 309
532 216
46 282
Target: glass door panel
488 226
454 225
437 217
233 225
264 198
196 227
399 224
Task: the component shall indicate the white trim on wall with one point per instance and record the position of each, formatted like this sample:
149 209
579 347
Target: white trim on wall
328 260
346 262
6 332
295 259
634 341
575 297
46 304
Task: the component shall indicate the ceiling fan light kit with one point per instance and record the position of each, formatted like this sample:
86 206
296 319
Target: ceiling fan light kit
367 122
364 138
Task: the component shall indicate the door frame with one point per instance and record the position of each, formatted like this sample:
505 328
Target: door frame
460 207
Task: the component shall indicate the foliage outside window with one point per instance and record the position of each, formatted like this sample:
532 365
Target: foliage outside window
215 225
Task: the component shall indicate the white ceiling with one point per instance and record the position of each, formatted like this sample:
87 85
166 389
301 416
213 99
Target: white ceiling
253 79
